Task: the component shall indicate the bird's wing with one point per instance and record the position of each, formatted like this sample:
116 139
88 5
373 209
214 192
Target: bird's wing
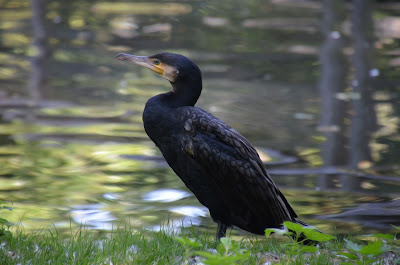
233 163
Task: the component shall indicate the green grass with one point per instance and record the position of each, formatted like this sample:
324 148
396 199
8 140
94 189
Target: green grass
127 246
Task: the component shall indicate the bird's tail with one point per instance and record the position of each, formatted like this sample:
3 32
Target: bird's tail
302 237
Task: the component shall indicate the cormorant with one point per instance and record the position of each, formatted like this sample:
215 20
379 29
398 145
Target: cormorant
219 165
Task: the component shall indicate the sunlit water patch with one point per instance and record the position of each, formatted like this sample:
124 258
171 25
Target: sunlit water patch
166 195
93 216
192 211
100 186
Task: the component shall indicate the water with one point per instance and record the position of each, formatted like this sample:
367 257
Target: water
72 145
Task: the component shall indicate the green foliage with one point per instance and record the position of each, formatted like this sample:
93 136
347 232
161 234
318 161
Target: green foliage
298 230
384 236
309 231
127 246
371 252
4 223
367 254
188 242
227 252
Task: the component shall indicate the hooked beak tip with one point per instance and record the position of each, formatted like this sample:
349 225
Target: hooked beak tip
121 56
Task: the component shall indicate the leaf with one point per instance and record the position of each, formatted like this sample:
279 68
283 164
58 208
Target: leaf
373 249
204 254
227 242
215 261
384 236
5 222
243 251
218 260
396 227
268 232
188 242
317 236
289 245
348 255
293 249
311 249
352 246
6 207
220 249
293 226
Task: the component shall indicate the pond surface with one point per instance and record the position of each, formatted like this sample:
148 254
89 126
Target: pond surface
72 146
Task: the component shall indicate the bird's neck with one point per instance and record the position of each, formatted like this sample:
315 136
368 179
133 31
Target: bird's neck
185 93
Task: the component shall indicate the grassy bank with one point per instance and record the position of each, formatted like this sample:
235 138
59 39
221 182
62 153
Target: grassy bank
126 246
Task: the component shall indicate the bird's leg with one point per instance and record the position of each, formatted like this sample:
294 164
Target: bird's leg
221 230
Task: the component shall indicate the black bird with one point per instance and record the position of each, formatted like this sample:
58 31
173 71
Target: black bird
221 168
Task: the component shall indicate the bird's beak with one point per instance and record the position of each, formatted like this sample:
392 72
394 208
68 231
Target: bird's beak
142 61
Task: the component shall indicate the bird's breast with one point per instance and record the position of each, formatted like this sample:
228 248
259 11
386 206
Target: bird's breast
160 123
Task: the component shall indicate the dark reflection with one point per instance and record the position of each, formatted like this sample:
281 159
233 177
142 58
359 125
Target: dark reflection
332 83
86 156
347 144
376 215
39 62
363 122
334 110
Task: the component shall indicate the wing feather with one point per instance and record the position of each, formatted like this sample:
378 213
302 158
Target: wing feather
234 165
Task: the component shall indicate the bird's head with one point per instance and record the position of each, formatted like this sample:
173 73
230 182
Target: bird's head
171 66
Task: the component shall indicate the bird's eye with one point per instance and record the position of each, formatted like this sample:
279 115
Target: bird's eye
156 62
